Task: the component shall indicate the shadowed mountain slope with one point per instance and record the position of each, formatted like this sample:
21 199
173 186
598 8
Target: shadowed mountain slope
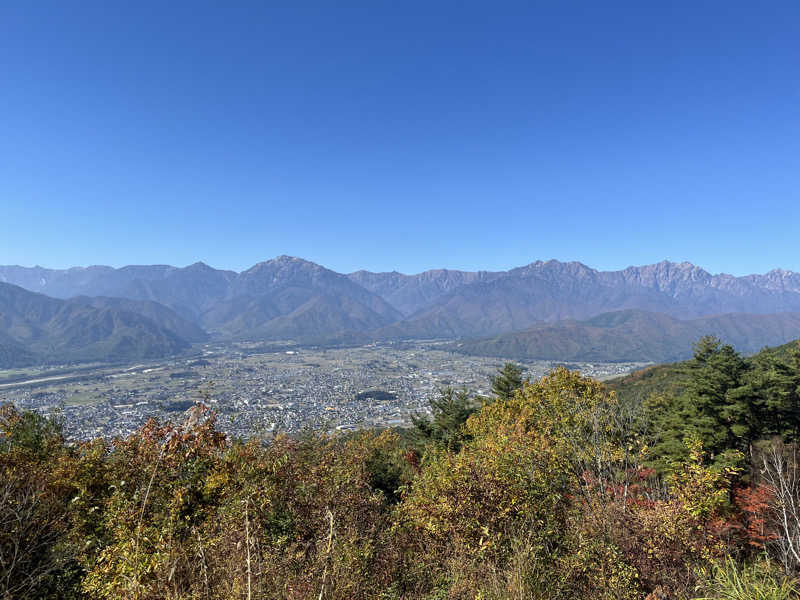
159 314
634 335
37 329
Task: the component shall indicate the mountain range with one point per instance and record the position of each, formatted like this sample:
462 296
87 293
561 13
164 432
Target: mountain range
291 298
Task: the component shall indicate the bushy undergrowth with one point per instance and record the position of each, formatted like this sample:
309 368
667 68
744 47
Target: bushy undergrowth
544 493
725 580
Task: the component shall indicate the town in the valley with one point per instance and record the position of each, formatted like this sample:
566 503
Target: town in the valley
262 390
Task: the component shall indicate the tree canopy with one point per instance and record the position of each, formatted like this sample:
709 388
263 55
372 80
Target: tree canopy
552 489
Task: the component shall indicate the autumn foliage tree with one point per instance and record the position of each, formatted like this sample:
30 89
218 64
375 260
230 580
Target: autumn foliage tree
548 491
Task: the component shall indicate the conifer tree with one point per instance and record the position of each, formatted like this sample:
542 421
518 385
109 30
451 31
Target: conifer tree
507 381
715 389
717 407
774 385
449 413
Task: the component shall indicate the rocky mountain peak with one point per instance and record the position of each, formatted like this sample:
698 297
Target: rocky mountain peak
666 275
554 268
285 264
198 266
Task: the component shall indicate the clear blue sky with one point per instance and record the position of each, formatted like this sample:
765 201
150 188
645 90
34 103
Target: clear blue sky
400 135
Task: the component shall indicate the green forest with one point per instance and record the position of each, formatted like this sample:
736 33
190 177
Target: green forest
677 482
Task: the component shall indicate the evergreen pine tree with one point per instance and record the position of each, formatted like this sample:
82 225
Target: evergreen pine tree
507 381
449 413
718 407
774 384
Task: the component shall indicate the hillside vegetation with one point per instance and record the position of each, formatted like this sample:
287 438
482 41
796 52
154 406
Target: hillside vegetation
670 379
634 335
36 329
555 489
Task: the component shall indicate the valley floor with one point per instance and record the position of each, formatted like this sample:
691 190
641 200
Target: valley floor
260 390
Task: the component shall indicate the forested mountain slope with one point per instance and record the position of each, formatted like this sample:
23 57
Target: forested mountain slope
36 329
635 335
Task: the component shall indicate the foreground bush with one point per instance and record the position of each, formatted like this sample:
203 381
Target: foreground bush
192 517
726 580
504 512
543 493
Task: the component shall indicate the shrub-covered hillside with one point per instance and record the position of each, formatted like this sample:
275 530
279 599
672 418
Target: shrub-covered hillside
553 489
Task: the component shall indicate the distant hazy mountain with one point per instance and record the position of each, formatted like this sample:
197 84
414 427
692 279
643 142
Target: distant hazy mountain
411 293
634 335
77 281
189 290
290 298
289 273
283 298
552 291
38 329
